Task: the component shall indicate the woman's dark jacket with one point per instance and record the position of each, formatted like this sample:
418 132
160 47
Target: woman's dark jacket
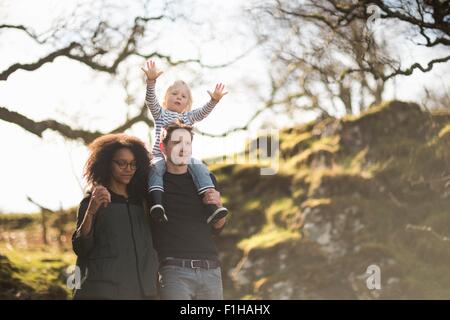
116 259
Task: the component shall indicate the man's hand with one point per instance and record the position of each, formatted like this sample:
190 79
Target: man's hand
219 224
218 92
151 71
212 196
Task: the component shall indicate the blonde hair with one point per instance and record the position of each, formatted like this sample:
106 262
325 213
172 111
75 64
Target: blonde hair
177 84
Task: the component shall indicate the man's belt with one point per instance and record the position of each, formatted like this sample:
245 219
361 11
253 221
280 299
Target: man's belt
193 264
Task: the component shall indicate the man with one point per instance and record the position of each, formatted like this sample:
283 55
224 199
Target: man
189 265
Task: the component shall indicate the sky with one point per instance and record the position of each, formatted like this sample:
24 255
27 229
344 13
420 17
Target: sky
49 169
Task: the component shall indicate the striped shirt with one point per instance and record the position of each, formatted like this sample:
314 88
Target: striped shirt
163 116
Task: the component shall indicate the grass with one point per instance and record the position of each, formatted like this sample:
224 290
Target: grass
40 271
17 220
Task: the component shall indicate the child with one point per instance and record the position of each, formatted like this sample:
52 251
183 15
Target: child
177 106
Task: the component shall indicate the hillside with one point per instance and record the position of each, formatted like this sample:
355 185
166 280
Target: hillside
349 193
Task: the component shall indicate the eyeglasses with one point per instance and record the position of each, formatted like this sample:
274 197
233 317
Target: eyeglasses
122 164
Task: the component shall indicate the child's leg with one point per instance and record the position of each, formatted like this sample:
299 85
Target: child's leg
201 176
156 188
202 180
156 174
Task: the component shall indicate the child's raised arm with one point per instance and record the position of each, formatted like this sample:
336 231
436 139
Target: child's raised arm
151 73
150 97
201 113
218 92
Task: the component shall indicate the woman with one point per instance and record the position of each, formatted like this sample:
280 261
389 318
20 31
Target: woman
113 240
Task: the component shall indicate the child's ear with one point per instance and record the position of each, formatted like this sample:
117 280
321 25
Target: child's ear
162 147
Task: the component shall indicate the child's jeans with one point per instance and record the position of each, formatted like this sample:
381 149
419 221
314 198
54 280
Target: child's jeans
198 171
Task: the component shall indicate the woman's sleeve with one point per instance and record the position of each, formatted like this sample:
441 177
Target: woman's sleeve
82 245
151 102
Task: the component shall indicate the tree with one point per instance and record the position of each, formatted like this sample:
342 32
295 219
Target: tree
325 56
428 19
97 41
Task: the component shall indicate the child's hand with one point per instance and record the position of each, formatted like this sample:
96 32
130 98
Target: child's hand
218 92
151 71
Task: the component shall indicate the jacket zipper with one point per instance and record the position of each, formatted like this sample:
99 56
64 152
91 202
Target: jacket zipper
135 250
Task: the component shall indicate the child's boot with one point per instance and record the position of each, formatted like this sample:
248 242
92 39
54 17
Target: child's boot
215 213
157 211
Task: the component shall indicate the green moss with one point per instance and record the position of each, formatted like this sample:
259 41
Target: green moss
313 203
293 143
445 131
268 238
384 105
252 204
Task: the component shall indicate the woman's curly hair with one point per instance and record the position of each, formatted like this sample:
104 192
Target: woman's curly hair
97 169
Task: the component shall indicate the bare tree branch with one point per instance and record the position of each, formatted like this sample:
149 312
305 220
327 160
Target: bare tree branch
32 34
23 28
397 72
268 105
44 209
433 15
38 127
411 69
36 65
233 130
438 22
141 117
198 60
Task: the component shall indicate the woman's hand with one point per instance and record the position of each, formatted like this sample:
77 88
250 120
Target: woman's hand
100 197
212 196
218 92
151 71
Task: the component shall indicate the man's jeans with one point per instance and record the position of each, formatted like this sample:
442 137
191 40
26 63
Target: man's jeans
180 283
199 172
